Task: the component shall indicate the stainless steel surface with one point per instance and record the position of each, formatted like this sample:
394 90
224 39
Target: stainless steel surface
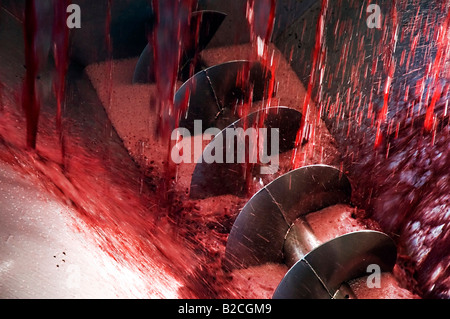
272 228
300 240
208 22
213 93
259 232
335 262
216 179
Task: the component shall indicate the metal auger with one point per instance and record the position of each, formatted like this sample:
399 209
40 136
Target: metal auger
272 228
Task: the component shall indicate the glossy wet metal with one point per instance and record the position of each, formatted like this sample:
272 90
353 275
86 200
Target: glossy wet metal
215 179
258 234
320 274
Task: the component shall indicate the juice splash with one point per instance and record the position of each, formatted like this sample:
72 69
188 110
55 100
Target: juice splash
388 88
390 68
306 130
436 69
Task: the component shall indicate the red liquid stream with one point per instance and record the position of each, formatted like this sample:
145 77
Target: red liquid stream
172 24
261 18
403 181
260 15
442 46
30 98
319 43
61 57
390 67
